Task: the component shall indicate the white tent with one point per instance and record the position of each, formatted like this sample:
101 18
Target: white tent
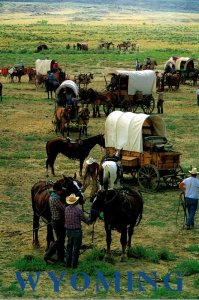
125 130
43 66
70 84
143 81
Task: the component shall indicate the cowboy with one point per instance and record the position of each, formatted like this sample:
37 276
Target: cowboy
57 211
91 173
190 186
137 64
73 218
160 103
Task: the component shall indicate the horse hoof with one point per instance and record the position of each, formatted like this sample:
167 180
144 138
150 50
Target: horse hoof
124 259
36 244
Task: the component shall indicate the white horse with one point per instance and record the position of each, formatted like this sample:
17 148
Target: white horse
108 173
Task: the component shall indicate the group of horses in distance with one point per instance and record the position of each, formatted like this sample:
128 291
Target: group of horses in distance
122 207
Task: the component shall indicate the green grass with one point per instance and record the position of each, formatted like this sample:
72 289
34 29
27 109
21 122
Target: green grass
193 248
29 263
188 267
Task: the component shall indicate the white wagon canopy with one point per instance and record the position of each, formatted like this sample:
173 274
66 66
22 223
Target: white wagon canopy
126 130
142 81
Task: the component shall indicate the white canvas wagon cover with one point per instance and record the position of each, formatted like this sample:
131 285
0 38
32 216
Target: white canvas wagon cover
143 81
43 66
125 130
70 84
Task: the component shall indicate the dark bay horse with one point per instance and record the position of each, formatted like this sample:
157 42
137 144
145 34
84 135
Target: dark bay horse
51 87
16 72
72 149
40 194
122 209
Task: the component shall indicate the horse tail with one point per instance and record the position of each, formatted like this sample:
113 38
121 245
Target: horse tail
106 177
141 205
35 218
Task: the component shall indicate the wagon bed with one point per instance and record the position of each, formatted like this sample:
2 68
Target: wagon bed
147 158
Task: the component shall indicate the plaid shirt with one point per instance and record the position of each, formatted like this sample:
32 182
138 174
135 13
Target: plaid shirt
56 207
73 217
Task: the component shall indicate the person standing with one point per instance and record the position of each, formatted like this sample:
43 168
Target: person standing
73 218
160 102
137 64
91 173
57 209
190 186
197 94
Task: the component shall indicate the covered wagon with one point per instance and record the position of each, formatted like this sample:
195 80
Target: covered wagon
131 89
146 153
45 66
183 65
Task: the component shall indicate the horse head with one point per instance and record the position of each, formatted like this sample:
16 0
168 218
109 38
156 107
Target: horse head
101 140
73 186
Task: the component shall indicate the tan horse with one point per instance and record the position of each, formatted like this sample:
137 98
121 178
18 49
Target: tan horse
61 119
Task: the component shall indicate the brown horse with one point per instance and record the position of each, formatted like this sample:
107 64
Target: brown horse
172 80
1 89
150 66
61 119
40 194
82 120
73 150
122 208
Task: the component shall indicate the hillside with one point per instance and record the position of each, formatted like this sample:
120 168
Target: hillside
190 6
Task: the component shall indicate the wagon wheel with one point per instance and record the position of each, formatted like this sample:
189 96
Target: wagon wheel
108 108
148 104
174 177
149 177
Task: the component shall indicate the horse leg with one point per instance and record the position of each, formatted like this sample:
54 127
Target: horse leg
81 162
98 111
130 233
35 241
49 236
123 241
108 239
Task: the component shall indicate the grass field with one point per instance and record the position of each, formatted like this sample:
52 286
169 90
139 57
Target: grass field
159 242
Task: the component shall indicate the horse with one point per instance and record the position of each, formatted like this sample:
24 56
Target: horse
193 76
51 87
31 72
61 119
41 47
82 121
172 80
40 193
121 208
149 67
1 89
110 171
83 79
40 80
16 72
72 149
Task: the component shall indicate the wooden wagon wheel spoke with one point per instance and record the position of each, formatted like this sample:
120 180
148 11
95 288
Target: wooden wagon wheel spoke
174 177
148 104
148 177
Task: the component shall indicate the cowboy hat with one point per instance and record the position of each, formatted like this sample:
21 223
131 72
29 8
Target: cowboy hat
193 171
90 161
57 186
71 199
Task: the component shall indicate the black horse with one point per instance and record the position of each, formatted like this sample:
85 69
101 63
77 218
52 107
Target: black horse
40 194
17 72
74 150
121 208
51 87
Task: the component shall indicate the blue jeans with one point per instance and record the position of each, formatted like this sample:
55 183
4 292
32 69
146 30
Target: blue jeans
191 205
58 245
73 246
198 100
